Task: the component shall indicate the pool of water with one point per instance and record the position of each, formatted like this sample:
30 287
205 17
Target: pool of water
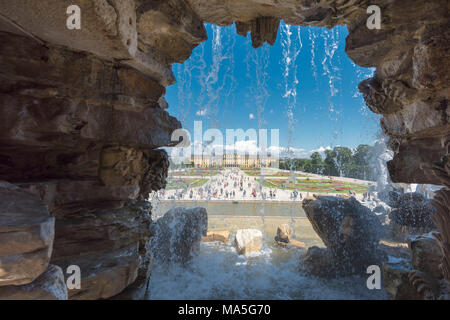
226 215
236 208
218 272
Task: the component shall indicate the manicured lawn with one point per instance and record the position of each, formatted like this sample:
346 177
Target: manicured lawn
319 186
196 172
183 183
273 174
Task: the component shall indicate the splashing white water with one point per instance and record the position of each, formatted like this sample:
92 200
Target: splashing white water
381 156
312 38
291 42
219 273
257 62
290 50
331 71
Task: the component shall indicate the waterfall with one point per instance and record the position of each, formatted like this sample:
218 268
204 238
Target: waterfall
330 46
312 39
291 43
257 61
218 271
199 67
229 80
290 49
183 74
332 72
382 155
212 92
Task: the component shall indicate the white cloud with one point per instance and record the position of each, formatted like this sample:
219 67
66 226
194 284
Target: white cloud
250 147
251 116
321 150
201 112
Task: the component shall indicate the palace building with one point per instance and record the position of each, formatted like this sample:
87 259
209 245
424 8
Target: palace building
233 160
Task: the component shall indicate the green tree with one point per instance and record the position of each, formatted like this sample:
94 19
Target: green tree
362 154
330 163
316 158
344 157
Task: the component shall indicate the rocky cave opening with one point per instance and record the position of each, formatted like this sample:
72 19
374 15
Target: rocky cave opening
83 117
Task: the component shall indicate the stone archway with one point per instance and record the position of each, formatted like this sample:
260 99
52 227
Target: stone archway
83 111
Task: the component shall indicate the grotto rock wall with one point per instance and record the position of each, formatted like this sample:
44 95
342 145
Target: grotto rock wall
82 115
82 111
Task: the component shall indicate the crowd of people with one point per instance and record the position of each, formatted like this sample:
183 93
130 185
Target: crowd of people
232 184
229 184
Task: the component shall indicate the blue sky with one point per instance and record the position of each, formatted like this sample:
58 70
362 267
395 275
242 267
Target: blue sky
307 92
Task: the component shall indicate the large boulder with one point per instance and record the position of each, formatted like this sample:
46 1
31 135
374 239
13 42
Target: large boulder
396 274
349 230
103 275
426 254
105 235
48 286
317 262
179 233
284 233
101 230
222 236
412 210
248 240
26 236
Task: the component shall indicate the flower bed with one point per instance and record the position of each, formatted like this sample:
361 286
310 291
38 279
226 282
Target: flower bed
323 186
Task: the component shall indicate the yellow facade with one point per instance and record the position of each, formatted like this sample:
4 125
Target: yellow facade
232 160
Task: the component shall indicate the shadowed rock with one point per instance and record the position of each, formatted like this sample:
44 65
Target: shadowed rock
412 210
396 280
26 236
48 286
262 29
179 233
350 232
68 97
284 233
426 255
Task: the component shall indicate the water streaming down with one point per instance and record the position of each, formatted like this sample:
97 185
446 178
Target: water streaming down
312 39
291 43
330 70
218 272
257 62
229 80
212 82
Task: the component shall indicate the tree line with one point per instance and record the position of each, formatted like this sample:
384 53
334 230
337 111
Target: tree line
339 162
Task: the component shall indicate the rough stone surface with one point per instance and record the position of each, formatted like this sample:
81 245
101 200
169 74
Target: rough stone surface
98 231
26 236
81 118
426 255
78 106
319 262
396 280
222 236
100 240
284 232
349 230
248 240
103 275
48 286
179 233
412 210
262 29
296 244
